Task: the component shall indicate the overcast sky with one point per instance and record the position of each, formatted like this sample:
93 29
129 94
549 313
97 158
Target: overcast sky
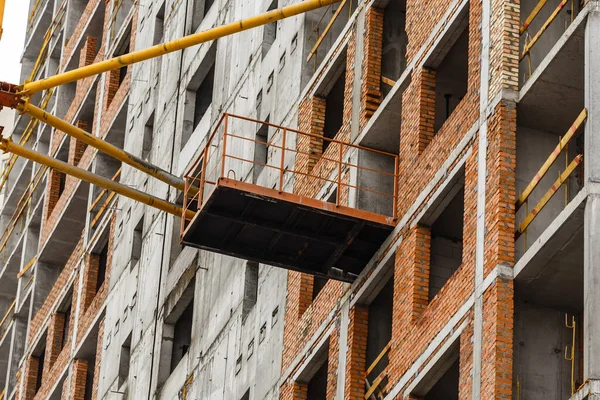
11 49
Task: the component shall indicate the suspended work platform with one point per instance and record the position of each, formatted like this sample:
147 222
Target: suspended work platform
246 207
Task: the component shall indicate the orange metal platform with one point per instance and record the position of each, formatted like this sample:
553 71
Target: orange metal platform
275 227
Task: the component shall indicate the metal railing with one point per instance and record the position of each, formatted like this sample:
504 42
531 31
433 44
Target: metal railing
373 388
562 178
230 153
524 30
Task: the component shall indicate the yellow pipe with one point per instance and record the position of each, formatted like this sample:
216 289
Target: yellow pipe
555 153
7 145
105 147
174 45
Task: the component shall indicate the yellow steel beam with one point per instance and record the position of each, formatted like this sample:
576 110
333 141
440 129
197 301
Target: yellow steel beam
546 197
548 163
8 146
174 45
105 147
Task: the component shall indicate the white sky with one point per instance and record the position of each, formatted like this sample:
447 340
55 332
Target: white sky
11 49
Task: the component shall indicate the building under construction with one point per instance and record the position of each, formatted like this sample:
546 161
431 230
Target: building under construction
352 199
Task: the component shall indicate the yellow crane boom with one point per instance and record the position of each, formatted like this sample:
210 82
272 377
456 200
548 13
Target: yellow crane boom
9 146
178 44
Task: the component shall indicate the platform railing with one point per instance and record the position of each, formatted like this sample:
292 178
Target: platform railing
230 154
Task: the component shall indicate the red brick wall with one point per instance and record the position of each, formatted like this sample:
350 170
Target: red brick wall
54 341
30 378
77 147
79 370
98 363
356 356
371 95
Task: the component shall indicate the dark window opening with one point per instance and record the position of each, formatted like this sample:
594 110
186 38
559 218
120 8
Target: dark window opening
62 181
201 8
121 49
269 32
333 196
148 137
102 263
380 330
176 246
451 80
198 100
261 150
89 382
318 285
182 335
447 386
250 288
334 109
40 370
446 244
393 57
203 97
124 361
136 248
246 395
317 386
66 326
159 25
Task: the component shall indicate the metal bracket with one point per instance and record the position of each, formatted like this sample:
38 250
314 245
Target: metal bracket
8 95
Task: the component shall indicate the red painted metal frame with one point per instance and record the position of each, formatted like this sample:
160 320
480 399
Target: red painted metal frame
198 175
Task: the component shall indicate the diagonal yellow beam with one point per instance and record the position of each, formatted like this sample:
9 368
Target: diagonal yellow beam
7 145
2 2
178 44
105 147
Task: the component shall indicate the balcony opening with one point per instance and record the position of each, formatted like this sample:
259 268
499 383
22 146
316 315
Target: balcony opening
442 379
322 27
451 79
549 24
334 109
548 317
65 309
379 336
199 11
269 32
393 57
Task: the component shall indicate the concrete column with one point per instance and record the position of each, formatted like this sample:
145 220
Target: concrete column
591 263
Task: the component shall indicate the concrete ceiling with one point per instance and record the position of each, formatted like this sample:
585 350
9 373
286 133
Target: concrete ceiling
554 95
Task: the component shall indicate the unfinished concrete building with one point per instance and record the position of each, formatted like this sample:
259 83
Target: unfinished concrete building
396 199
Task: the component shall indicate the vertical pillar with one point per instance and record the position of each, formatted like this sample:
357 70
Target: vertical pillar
356 360
591 263
79 371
